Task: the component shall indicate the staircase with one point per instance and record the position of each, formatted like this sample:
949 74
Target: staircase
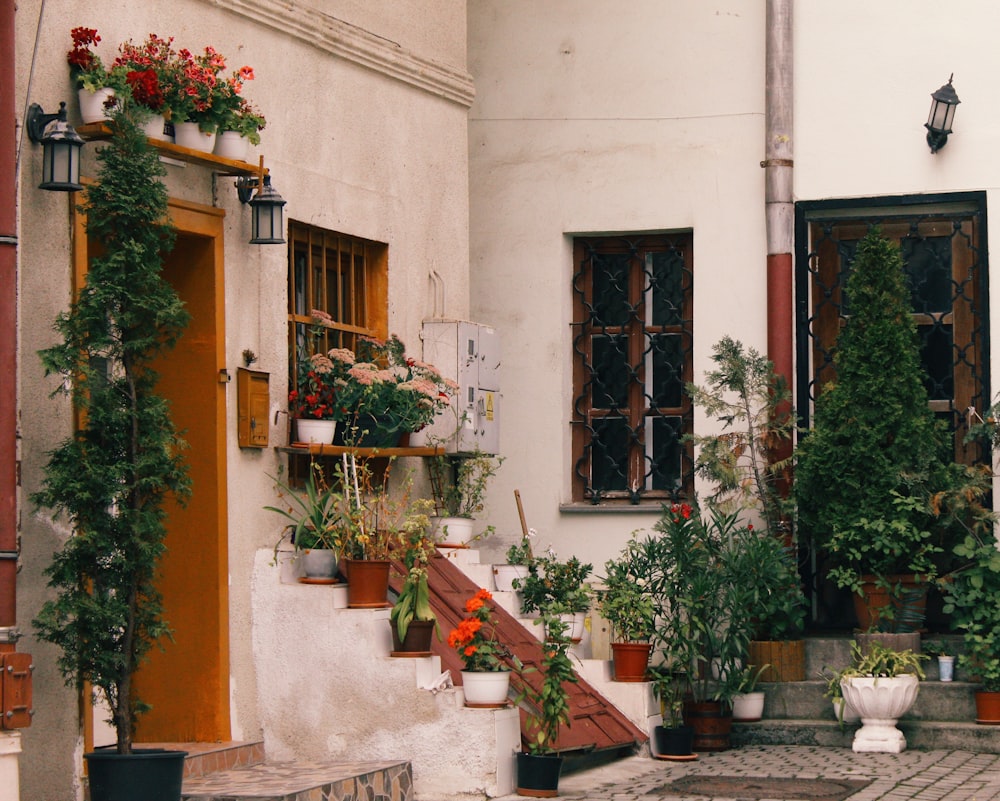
796 713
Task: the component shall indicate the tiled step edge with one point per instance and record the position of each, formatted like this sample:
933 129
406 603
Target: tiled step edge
305 781
205 758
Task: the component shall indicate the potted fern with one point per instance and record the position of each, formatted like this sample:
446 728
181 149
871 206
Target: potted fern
114 475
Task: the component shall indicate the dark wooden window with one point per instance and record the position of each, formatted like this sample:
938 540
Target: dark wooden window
344 276
632 339
944 253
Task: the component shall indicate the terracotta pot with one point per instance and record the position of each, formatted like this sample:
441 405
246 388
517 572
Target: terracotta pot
870 605
712 722
988 708
367 583
786 659
630 660
417 642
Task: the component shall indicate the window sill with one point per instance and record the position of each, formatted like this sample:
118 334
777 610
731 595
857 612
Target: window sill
652 508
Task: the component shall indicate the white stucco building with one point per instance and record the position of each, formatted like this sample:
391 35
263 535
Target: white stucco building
571 173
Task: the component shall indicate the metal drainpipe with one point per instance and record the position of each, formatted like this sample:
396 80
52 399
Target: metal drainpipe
15 668
8 332
778 203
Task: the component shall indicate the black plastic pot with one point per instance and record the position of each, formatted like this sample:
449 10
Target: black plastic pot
538 774
674 740
153 774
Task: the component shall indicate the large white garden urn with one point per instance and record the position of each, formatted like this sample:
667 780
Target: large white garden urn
880 701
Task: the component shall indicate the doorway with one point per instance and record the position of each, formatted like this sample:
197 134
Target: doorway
187 682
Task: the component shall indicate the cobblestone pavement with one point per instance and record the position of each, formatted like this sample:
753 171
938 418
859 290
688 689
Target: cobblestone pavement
920 775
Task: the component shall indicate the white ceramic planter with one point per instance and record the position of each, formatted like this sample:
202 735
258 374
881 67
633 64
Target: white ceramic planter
504 575
154 128
486 689
92 104
232 145
189 135
748 707
319 432
843 712
455 530
880 702
946 667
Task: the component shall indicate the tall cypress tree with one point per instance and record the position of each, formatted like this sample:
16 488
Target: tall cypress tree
865 471
113 475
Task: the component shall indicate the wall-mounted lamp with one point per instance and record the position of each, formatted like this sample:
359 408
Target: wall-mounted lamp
61 146
267 225
938 125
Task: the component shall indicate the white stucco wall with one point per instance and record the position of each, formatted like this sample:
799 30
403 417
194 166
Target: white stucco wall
604 117
366 105
649 116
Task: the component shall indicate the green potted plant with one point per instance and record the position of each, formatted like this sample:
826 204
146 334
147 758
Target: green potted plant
747 700
706 598
314 529
673 739
556 587
519 555
749 464
875 455
833 678
972 599
458 486
113 477
538 764
93 81
881 687
626 603
412 619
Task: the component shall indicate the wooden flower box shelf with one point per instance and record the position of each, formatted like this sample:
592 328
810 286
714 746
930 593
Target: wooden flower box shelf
361 453
223 166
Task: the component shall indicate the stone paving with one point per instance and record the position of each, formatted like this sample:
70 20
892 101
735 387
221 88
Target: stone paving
919 775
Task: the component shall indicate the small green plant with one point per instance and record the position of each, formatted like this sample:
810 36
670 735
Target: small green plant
414 601
549 705
747 462
881 661
670 685
555 587
459 484
625 600
314 514
520 553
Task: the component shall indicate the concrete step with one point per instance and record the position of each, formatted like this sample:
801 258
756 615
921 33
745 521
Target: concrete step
920 734
205 758
937 700
305 781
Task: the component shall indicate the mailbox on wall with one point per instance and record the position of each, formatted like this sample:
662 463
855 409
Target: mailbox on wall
254 408
468 354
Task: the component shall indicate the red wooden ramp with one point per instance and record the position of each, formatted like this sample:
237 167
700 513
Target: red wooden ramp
596 724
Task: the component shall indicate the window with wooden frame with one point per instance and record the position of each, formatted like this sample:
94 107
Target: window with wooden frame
632 342
344 276
943 244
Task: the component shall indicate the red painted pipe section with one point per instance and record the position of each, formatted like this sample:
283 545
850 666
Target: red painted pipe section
779 317
8 323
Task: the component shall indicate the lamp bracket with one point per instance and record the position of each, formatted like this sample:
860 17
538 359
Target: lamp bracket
37 119
245 185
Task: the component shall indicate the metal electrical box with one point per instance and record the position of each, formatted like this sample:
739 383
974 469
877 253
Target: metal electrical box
468 354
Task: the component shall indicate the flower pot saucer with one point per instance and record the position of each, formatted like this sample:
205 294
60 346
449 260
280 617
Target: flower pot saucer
676 757
455 545
410 654
308 580
502 705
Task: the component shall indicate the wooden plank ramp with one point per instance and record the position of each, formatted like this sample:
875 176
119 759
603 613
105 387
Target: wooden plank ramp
596 724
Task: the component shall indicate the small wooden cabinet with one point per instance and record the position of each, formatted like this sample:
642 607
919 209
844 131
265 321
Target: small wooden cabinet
253 402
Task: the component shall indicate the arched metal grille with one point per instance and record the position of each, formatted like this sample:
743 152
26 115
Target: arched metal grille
943 243
632 355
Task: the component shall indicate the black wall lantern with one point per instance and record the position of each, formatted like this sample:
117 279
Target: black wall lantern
267 225
61 146
938 125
